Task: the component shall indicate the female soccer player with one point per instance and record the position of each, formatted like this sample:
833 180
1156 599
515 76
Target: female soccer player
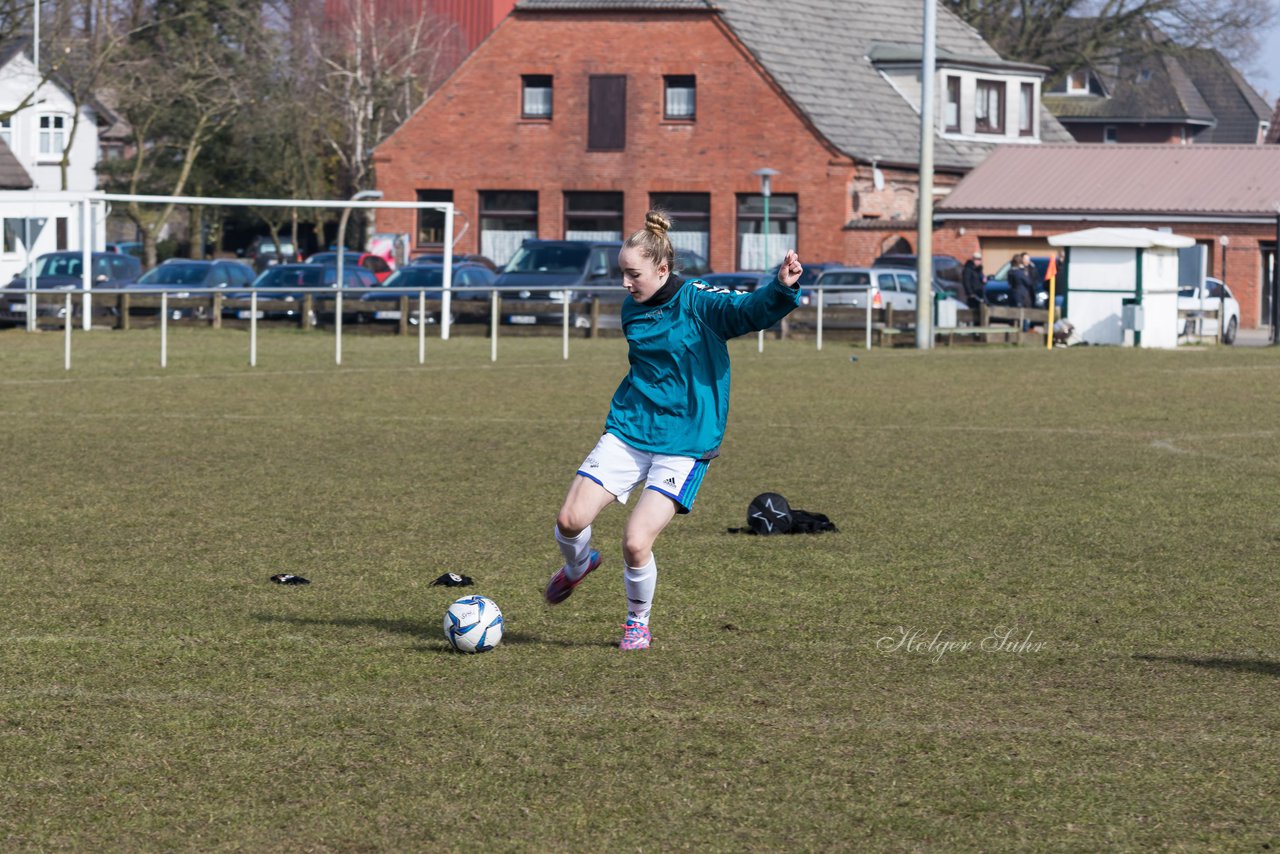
667 417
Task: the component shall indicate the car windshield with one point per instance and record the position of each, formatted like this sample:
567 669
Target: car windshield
854 278
176 274
55 265
292 277
549 259
415 278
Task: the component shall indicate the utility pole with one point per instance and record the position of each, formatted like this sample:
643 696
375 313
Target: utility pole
924 216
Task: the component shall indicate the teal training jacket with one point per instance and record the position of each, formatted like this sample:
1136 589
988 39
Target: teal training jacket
675 398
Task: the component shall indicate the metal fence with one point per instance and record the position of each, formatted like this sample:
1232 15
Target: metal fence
877 325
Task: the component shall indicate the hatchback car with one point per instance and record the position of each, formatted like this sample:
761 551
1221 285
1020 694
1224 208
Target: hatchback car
375 264
265 252
946 268
427 280
996 290
559 271
63 271
1215 296
284 283
176 273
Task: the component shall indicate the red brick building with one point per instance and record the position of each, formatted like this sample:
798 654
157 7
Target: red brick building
576 116
1227 197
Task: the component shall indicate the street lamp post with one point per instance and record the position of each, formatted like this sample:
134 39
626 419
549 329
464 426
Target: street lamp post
766 190
363 195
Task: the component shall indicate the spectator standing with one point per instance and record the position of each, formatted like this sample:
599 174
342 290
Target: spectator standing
1019 283
971 283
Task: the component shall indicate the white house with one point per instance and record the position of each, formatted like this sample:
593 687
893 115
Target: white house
32 142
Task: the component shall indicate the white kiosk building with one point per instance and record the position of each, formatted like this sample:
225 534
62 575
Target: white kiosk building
1122 285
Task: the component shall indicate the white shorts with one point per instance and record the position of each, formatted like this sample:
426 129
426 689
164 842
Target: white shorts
620 468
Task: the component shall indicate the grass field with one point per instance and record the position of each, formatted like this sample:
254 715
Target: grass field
1111 514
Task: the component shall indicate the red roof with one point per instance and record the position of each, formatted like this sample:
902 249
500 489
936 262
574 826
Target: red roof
1227 180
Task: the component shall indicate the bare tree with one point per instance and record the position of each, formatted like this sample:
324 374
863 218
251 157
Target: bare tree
1066 34
178 86
376 65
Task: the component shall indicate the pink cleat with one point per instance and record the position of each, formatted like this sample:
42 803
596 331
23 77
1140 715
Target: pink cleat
635 636
560 586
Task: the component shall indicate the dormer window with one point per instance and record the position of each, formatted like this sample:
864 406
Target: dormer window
988 106
1027 110
1078 82
951 114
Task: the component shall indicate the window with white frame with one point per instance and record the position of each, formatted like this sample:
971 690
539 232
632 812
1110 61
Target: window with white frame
681 97
53 135
6 131
988 106
1110 134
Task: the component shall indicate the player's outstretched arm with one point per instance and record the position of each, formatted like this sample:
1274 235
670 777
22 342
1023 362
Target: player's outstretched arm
733 314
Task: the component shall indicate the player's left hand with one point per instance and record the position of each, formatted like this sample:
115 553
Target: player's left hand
789 272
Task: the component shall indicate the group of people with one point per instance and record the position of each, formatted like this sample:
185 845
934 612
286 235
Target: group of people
1024 280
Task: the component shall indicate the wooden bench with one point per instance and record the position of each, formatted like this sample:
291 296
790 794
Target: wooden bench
1010 334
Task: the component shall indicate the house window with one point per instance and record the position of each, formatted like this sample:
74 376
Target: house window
535 102
1110 134
690 215
53 135
607 113
593 216
431 220
507 219
6 132
951 112
681 97
1027 110
988 107
753 253
8 237
1078 82
60 233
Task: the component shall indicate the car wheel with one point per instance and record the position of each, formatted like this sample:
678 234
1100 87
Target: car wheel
1229 337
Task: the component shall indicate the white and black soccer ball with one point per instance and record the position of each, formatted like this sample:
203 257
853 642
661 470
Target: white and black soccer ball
473 624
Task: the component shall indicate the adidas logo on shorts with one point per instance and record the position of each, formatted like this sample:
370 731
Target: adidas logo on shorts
593 463
671 481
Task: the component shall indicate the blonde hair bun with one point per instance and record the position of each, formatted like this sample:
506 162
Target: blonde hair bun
657 223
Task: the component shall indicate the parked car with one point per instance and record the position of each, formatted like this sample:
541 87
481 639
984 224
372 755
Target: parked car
744 281
690 264
265 252
375 264
853 285
175 273
126 247
427 279
1215 296
559 271
458 258
63 271
996 290
282 283
946 268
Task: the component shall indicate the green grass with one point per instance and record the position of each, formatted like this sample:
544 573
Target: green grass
159 694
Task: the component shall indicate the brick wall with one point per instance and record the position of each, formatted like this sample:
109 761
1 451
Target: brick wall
469 136
1239 263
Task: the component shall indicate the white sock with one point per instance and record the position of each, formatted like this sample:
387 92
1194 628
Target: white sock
576 551
640 582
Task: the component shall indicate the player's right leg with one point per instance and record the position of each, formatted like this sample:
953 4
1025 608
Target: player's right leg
608 474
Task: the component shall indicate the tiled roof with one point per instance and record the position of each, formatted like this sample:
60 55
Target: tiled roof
818 51
1239 110
1224 180
1192 85
12 175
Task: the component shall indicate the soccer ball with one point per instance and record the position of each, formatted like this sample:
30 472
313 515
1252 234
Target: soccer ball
473 624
